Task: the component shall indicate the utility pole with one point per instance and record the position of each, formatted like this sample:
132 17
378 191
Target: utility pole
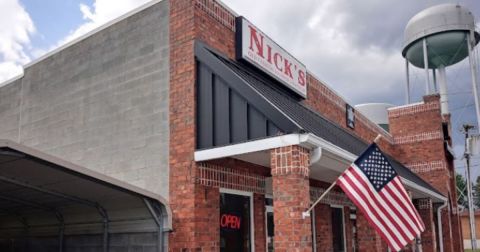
473 234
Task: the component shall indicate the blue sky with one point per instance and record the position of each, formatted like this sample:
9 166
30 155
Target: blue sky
53 19
353 46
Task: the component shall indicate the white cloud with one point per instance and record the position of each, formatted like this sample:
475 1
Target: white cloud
16 29
100 13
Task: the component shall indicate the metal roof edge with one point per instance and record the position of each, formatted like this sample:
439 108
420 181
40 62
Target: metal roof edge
89 173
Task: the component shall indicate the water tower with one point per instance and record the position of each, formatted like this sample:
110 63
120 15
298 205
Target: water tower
436 38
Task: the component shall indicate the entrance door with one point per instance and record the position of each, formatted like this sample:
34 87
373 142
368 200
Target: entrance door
338 229
235 222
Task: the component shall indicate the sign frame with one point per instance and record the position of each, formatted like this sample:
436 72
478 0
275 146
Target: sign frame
255 47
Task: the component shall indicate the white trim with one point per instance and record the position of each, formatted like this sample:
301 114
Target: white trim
252 215
406 105
14 78
90 33
422 189
311 140
308 140
247 147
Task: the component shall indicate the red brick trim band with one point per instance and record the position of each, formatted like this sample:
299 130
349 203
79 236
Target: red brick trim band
413 109
422 167
425 204
432 135
332 198
290 160
224 177
217 11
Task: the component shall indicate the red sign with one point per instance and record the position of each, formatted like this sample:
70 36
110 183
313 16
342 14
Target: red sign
258 49
230 221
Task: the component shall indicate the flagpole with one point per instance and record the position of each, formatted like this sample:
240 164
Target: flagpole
307 213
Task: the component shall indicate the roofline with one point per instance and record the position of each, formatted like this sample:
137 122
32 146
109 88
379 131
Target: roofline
90 173
92 32
307 140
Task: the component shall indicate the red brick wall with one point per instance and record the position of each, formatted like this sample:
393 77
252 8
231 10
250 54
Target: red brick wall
207 21
425 209
368 239
259 222
418 133
291 196
348 229
323 225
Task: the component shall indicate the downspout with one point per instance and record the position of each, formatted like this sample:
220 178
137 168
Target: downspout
315 156
439 220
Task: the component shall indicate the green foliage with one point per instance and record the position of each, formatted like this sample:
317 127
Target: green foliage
461 190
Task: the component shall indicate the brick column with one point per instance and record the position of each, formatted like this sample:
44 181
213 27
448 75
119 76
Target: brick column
291 196
323 228
259 219
368 239
425 209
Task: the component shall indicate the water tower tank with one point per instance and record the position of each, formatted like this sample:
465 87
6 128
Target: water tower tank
445 28
436 38
375 112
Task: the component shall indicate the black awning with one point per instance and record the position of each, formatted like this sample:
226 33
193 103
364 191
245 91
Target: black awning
300 115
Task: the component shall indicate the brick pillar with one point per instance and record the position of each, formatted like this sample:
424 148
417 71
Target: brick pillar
291 196
425 209
368 239
259 222
323 228
348 229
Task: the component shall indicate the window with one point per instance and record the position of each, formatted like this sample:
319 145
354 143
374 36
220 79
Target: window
338 230
350 116
235 222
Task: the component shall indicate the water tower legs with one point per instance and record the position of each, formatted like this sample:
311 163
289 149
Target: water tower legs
407 91
425 62
473 70
442 83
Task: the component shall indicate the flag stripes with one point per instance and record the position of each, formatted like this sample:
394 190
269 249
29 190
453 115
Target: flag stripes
389 210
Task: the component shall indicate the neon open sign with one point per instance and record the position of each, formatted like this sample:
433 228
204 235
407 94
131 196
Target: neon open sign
230 221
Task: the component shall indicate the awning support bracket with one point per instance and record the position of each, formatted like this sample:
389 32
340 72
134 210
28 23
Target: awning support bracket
158 220
57 213
102 211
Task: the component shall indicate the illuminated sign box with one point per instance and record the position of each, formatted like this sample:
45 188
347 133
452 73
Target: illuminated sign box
257 48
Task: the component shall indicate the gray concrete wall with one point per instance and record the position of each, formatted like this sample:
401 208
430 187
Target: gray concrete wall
101 103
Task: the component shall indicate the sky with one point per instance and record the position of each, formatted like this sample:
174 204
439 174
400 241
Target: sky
353 46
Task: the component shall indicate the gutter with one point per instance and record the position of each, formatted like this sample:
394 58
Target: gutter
440 229
310 141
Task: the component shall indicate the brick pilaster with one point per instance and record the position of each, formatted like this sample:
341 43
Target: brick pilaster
323 226
367 237
291 196
428 237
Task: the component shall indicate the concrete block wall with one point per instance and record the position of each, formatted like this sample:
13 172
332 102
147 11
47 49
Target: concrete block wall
101 103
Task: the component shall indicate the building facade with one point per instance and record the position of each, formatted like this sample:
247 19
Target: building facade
190 107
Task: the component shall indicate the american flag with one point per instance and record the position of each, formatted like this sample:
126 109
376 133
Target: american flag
375 188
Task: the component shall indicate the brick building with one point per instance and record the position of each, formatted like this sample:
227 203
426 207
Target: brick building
182 126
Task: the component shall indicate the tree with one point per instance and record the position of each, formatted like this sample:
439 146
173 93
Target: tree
462 190
476 193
